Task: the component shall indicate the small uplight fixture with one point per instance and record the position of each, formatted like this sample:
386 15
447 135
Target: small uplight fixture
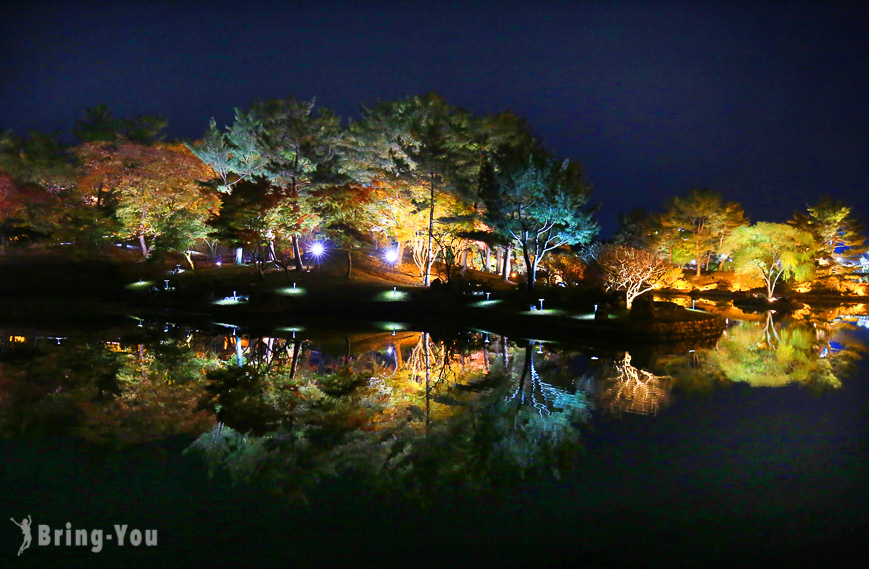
391 326
166 285
487 296
292 329
295 290
540 347
541 303
218 263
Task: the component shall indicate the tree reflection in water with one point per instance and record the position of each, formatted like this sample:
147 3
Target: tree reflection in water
443 417
101 390
406 413
768 354
627 389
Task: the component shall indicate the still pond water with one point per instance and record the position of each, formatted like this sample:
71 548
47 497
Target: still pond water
390 447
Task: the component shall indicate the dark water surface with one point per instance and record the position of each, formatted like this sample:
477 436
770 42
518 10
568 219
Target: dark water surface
393 448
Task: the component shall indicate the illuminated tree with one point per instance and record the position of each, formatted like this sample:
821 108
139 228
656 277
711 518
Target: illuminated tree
148 184
500 144
349 214
837 233
49 193
243 218
669 241
234 153
183 229
728 219
400 218
626 269
540 206
565 267
419 142
772 251
701 220
37 159
302 150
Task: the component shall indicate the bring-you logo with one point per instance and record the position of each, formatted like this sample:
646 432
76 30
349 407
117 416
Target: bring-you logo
66 536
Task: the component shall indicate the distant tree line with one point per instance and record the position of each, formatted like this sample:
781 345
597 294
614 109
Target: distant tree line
419 177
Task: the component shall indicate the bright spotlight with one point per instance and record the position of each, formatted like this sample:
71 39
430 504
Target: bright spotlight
391 255
317 249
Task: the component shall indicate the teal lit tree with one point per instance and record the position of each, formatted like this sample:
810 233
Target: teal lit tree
542 206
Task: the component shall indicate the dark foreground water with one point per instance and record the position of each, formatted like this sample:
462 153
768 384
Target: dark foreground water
393 448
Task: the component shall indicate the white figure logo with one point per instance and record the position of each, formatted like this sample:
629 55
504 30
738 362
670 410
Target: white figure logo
25 529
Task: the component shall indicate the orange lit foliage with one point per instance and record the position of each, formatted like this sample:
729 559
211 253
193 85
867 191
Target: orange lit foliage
147 184
564 267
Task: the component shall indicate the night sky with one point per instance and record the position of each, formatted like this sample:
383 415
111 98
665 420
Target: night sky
766 103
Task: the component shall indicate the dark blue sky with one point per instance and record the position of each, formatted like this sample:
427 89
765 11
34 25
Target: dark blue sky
765 102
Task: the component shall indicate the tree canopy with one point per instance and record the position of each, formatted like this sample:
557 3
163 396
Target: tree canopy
772 251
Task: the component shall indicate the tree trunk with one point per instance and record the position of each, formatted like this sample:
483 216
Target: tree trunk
399 249
349 263
239 355
508 252
272 253
398 362
145 249
427 381
526 368
535 265
239 255
429 259
297 355
297 254
498 258
529 266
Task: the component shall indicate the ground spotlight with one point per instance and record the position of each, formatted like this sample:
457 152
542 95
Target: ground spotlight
391 255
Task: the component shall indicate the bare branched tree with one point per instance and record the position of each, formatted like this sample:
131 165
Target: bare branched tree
627 269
